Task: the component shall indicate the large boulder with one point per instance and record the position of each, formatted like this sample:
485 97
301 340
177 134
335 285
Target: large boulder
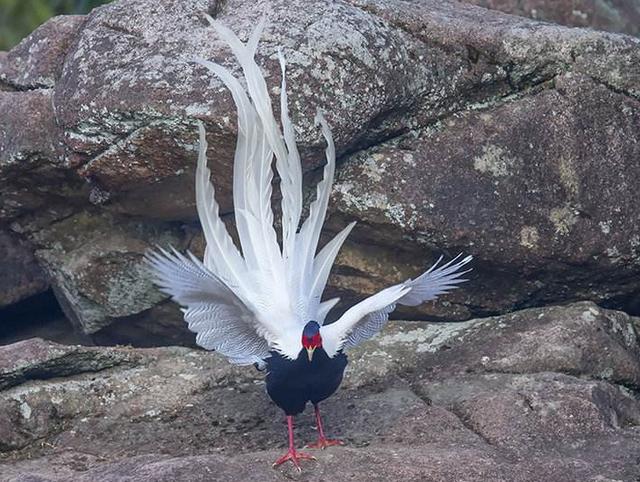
458 129
523 401
95 260
528 183
613 15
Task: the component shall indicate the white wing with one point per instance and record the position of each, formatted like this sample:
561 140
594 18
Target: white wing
368 317
218 317
436 281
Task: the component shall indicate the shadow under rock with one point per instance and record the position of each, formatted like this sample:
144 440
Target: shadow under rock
38 316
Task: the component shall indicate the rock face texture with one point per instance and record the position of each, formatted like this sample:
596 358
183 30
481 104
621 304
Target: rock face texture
459 129
21 275
613 15
37 62
546 393
545 213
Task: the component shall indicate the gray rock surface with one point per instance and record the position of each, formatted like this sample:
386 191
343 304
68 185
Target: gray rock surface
95 260
458 129
508 408
38 60
613 15
21 275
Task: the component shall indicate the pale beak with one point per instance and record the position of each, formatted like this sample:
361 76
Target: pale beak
310 352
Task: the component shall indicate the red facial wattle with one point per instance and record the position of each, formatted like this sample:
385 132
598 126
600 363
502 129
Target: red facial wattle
310 343
314 341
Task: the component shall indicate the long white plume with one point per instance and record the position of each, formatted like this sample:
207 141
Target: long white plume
222 256
281 285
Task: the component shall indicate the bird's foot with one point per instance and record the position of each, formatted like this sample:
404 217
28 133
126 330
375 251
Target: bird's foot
323 443
295 457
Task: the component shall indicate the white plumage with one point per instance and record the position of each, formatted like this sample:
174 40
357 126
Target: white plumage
246 303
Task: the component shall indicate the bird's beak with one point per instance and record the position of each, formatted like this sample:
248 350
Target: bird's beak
310 352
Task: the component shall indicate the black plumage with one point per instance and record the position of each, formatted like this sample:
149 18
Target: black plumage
293 383
312 377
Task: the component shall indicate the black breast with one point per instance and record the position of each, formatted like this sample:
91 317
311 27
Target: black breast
293 383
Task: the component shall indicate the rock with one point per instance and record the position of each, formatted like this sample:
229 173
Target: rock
21 275
36 359
434 109
580 339
31 154
536 411
544 213
28 131
178 414
37 61
614 15
91 389
429 463
96 262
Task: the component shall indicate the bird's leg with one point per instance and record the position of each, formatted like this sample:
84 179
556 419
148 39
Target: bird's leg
323 442
293 454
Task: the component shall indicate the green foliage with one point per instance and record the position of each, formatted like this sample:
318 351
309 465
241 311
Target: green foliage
18 18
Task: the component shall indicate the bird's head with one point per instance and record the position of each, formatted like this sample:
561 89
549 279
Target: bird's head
311 338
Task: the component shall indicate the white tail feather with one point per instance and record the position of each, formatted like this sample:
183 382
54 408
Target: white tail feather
321 268
287 164
223 258
309 236
324 309
290 214
282 286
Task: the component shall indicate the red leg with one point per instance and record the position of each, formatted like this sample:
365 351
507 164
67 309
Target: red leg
322 442
292 454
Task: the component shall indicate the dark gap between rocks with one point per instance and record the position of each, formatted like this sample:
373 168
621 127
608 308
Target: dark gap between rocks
630 304
37 316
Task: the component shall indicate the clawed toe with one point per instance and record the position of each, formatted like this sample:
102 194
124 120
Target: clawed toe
294 456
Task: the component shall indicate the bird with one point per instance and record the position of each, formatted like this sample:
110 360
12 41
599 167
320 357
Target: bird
260 302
